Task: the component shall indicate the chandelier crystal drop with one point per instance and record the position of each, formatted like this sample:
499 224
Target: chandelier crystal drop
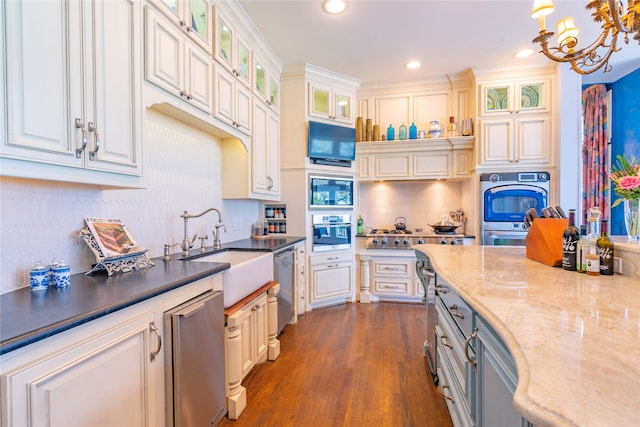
614 20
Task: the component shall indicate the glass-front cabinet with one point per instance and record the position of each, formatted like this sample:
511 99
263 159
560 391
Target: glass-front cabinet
192 16
517 97
265 86
232 51
328 103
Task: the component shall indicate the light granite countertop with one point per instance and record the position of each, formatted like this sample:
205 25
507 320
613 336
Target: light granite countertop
575 339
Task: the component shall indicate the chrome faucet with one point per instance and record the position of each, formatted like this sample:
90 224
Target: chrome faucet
216 234
188 244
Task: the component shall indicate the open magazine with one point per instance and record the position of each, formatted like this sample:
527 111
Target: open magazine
113 237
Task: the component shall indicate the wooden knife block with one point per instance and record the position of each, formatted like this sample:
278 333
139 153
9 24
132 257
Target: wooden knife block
544 240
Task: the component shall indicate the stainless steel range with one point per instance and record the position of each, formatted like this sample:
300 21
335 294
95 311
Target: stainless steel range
404 239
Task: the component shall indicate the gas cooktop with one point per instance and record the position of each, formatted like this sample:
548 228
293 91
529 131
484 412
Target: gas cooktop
404 239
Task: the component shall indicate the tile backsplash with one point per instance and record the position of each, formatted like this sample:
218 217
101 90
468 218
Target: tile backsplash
420 202
40 220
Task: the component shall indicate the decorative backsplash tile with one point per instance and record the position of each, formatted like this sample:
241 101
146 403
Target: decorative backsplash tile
40 220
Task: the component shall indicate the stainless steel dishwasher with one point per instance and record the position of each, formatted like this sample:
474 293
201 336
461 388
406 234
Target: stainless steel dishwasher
195 372
284 274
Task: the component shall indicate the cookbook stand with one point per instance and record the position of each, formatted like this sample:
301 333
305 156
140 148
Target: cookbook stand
544 240
117 264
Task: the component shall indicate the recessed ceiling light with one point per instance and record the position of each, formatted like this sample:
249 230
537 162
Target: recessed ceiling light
523 53
413 65
334 6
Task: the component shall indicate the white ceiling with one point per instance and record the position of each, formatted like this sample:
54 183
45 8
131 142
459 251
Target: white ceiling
373 39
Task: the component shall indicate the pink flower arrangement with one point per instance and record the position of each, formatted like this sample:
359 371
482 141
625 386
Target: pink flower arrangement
625 177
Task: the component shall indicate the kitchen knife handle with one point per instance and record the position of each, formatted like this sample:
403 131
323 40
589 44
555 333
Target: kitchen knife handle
561 212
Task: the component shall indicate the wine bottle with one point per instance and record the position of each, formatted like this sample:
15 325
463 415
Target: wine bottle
570 238
604 246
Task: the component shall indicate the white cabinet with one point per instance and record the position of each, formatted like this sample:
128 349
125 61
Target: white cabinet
394 278
266 85
73 86
326 102
232 101
415 160
515 123
177 65
332 278
265 145
301 279
231 50
192 17
250 338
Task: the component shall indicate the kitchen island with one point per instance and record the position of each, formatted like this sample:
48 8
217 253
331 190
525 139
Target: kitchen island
574 338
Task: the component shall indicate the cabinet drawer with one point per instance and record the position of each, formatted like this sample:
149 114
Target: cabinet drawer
457 309
331 258
393 267
459 407
393 287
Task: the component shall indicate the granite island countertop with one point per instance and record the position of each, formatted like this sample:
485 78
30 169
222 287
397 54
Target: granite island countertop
27 317
575 339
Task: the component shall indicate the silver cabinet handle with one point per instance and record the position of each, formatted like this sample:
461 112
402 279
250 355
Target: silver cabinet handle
467 344
270 186
80 126
441 290
446 387
454 312
94 129
443 340
153 328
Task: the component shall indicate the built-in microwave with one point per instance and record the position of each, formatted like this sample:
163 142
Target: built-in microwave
330 192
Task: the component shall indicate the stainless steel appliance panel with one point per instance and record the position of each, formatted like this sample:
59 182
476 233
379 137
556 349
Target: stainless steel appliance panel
428 277
284 274
195 367
331 232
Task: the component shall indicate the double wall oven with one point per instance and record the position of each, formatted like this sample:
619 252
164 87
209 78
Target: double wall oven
505 198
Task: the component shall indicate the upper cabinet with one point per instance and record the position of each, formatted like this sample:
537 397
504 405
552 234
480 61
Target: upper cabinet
515 123
266 86
193 17
232 51
73 94
328 103
176 64
521 96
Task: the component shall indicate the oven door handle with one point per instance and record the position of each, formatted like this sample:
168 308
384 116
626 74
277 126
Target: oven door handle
516 187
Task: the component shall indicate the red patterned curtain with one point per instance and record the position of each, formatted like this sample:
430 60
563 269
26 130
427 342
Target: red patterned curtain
595 161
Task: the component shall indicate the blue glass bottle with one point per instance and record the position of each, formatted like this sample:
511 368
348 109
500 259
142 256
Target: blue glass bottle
402 133
413 131
390 133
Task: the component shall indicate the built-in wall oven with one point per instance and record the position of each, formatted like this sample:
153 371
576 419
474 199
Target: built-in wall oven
331 232
505 198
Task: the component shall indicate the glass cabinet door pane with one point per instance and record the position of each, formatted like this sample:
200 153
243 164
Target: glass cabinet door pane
243 60
224 33
531 96
199 17
497 99
273 91
320 101
171 4
261 80
343 107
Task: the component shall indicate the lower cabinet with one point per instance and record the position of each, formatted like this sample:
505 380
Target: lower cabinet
301 279
106 372
250 338
332 278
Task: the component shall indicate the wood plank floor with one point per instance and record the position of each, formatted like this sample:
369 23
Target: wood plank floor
347 365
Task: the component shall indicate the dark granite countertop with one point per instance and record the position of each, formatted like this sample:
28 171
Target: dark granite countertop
26 316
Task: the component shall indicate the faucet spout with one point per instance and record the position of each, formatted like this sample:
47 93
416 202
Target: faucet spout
188 243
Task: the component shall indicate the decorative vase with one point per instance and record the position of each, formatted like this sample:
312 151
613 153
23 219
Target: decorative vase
434 129
632 219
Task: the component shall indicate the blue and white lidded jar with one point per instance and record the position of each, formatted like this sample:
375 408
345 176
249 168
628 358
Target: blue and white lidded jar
54 264
39 278
61 275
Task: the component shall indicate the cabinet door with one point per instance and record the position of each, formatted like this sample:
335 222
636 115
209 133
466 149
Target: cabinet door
392 110
430 107
330 281
224 94
83 384
497 98
496 138
113 97
193 17
435 164
243 102
342 104
398 166
261 327
463 163
365 171
273 153
164 54
532 96
319 101
199 78
44 98
533 140
259 148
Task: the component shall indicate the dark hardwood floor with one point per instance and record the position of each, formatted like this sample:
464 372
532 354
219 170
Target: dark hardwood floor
347 365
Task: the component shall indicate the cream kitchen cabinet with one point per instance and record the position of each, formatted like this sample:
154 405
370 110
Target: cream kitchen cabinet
193 17
176 64
73 92
328 103
521 96
393 278
265 144
250 338
231 50
233 101
266 85
301 279
332 278
512 141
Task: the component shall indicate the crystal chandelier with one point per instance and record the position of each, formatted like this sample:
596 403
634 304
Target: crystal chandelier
613 19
